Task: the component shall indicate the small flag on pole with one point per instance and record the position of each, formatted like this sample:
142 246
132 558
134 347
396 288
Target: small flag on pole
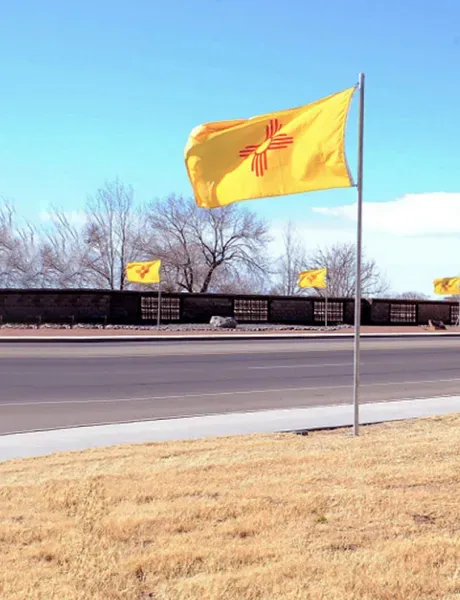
447 286
286 152
143 272
315 278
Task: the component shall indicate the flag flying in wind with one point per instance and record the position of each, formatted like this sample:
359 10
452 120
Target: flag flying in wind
143 272
287 152
447 286
315 278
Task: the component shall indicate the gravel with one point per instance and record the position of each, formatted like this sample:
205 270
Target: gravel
185 327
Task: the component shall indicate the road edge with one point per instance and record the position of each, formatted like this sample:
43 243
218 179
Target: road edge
294 420
69 339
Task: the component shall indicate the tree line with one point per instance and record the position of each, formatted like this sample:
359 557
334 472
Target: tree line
223 250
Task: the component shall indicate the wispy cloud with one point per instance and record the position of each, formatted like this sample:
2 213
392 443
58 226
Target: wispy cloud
414 239
434 213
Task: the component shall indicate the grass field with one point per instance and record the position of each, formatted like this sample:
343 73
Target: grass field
273 517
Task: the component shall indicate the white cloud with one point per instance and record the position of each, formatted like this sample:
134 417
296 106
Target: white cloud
414 214
414 239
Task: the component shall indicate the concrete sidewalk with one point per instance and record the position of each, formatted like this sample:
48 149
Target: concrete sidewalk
45 442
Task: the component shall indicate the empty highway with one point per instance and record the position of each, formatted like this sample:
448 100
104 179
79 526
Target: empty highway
52 385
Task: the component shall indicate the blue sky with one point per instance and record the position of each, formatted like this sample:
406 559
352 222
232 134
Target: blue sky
97 89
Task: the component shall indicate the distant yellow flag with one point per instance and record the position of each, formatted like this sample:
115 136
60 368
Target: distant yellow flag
316 278
447 286
143 272
286 152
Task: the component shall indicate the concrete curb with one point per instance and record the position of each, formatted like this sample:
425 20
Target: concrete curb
68 339
298 420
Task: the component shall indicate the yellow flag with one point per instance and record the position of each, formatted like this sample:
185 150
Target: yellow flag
287 152
143 272
316 278
447 286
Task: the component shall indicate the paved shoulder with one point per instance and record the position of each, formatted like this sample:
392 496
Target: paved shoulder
81 438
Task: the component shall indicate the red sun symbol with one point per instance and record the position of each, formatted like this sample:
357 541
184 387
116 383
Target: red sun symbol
142 272
273 141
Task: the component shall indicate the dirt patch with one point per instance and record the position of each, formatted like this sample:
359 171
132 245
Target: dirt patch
197 330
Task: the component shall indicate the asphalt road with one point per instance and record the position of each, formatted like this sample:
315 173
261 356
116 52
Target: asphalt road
55 385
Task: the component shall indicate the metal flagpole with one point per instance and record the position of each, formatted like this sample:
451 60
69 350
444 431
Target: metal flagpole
325 307
359 185
159 301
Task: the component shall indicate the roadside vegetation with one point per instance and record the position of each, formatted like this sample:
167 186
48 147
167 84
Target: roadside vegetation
271 517
227 250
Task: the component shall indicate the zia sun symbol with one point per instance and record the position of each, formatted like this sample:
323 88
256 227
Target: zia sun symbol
142 272
273 141
311 278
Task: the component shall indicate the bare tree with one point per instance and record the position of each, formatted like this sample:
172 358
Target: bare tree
340 261
92 253
110 234
234 282
64 253
7 242
290 263
202 248
411 296
20 258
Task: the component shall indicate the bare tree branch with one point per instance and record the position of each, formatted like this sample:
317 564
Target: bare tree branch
195 244
64 254
290 263
340 261
111 234
20 256
410 296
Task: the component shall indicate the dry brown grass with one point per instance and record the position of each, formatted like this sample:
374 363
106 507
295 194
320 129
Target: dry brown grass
274 517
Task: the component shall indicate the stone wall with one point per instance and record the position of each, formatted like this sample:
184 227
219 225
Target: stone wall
54 306
291 310
125 307
200 308
101 306
438 311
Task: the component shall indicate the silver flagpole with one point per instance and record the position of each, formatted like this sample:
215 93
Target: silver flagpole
325 307
458 316
359 243
159 302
